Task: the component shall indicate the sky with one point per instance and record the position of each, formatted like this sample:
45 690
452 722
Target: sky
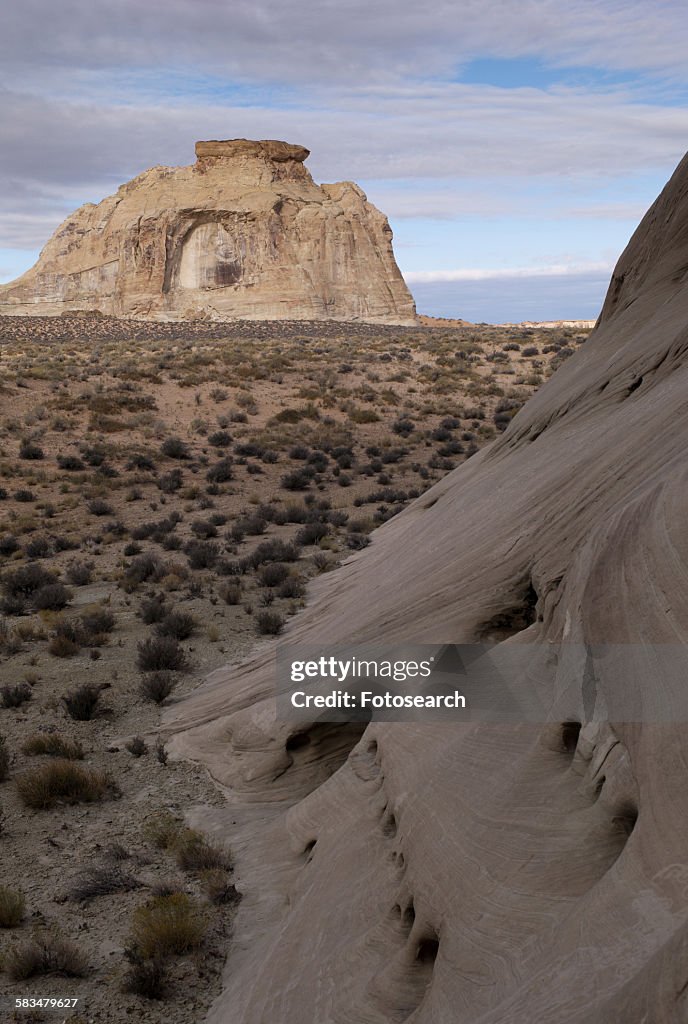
514 146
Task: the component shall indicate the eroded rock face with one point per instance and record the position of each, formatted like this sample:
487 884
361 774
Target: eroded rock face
244 232
508 873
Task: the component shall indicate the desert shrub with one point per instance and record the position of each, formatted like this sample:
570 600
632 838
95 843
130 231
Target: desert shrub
220 439
161 653
403 426
93 455
101 880
450 423
80 573
511 346
195 854
162 830
178 624
363 416
8 545
505 411
25 581
100 507
67 638
96 624
531 350
218 887
52 597
70 463
161 751
203 529
273 573
311 533
298 479
62 780
54 745
82 703
147 978
136 746
269 623
143 568
357 541
39 547
14 695
231 593
30 450
393 455
24 495
157 686
170 482
202 554
12 906
4 759
167 925
273 551
141 462
291 588
174 448
46 952
154 609
221 472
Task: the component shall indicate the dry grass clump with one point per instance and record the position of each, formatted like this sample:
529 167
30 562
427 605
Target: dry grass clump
161 653
218 887
62 780
12 907
167 926
157 686
162 830
13 696
147 978
54 745
102 880
46 952
195 854
82 703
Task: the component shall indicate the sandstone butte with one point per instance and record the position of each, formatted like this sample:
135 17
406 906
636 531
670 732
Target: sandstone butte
243 233
477 874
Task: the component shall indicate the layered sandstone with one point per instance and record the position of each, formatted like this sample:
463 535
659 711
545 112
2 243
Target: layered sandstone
243 233
505 874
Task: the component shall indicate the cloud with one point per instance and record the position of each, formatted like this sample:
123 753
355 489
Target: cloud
342 40
508 273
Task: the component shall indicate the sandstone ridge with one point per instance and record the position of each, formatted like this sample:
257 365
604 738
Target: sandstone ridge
473 873
244 233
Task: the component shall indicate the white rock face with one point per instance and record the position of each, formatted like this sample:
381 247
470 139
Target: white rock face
475 874
243 233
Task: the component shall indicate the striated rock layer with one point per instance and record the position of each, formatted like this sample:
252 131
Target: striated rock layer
243 233
488 874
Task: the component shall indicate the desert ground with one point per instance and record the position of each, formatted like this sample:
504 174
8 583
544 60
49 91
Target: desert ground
167 491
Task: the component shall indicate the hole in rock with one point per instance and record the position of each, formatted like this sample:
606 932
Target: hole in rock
372 748
570 731
513 619
309 847
298 740
408 917
427 950
625 819
389 826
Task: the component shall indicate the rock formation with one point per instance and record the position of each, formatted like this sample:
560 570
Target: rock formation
243 233
501 874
